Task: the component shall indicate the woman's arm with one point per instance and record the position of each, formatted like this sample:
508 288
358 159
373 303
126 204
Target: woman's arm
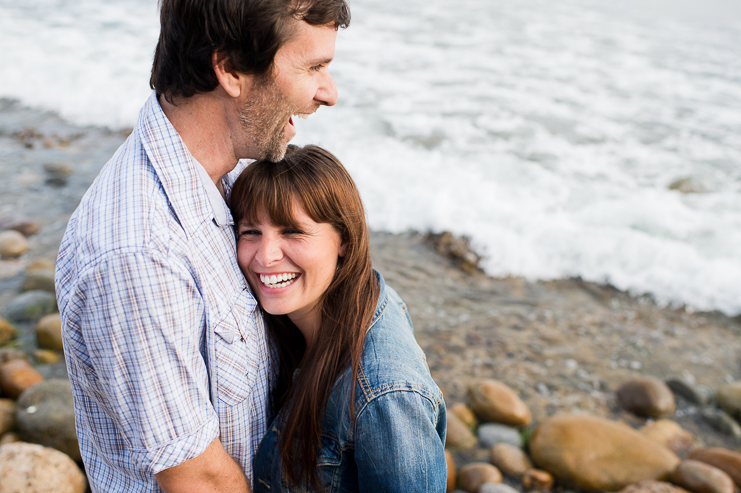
399 444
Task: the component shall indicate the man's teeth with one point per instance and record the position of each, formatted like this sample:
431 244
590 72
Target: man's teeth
303 116
277 280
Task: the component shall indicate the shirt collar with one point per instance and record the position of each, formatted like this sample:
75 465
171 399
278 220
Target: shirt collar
218 206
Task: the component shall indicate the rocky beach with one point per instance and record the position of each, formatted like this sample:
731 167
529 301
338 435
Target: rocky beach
562 384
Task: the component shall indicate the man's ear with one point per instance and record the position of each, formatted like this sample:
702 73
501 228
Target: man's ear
232 81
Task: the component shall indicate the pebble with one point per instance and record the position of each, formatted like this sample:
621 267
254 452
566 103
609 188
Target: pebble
41 279
497 488
46 356
7 415
669 434
46 415
23 225
31 468
31 305
491 434
492 401
41 264
458 435
17 376
598 454
647 397
49 332
8 332
58 173
729 399
465 414
699 477
689 185
535 479
692 393
721 422
10 354
725 460
12 244
651 486
510 459
472 476
10 437
450 463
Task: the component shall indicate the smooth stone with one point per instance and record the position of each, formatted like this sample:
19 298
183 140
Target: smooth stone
458 435
8 332
699 477
23 225
7 415
490 434
472 476
12 244
510 459
650 486
47 356
721 422
724 459
450 463
9 437
58 173
669 434
46 415
10 354
38 279
31 305
598 454
647 396
536 479
49 332
497 488
689 185
31 468
494 402
729 399
17 376
465 414
10 268
692 393
41 264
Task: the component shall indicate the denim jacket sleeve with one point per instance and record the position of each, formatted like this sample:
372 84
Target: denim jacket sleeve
399 443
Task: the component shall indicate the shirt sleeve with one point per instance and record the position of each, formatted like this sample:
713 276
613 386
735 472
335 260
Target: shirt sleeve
399 444
134 341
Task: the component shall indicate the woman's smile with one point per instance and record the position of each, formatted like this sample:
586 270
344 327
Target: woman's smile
275 281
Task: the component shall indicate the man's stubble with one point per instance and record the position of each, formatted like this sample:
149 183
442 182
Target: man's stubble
263 117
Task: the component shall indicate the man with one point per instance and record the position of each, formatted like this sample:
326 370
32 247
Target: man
168 361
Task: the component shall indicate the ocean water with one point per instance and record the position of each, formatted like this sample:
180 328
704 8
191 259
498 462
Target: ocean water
548 132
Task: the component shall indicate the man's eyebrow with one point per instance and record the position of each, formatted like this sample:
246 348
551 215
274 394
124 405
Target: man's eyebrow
323 61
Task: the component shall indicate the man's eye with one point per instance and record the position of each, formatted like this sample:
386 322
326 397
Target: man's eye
317 68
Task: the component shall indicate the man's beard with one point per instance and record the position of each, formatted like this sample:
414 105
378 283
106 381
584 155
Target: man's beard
264 116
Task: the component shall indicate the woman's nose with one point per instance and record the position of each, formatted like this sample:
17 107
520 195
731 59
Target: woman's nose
269 251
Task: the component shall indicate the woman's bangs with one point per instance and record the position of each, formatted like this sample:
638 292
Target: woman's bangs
272 196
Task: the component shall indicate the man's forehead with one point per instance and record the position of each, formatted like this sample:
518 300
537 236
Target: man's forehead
309 44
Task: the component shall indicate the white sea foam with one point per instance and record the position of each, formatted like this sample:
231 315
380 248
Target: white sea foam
549 132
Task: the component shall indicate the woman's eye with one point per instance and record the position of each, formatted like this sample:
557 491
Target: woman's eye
292 231
249 232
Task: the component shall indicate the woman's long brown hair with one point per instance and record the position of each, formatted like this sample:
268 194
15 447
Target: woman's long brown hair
314 179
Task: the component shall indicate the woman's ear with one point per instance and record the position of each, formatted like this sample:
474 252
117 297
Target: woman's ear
343 249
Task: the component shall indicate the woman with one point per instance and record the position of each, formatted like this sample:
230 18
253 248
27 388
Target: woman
359 410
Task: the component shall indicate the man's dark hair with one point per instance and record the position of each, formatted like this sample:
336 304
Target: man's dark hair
246 33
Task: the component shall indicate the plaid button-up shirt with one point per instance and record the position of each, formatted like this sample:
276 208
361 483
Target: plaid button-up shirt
164 346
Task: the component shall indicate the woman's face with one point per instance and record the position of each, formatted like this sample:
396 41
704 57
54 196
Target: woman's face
289 268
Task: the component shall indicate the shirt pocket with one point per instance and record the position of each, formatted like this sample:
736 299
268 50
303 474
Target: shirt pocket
329 463
237 351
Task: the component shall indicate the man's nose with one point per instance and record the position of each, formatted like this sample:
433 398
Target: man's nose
326 94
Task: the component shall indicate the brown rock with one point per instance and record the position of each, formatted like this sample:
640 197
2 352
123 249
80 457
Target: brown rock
39 279
699 477
7 331
458 435
510 459
23 225
465 414
49 332
16 376
9 437
650 486
729 399
647 397
10 354
493 401
12 244
450 462
31 468
41 264
669 434
47 356
473 475
535 479
597 454
725 460
7 415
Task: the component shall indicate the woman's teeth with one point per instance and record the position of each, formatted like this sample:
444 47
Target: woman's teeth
277 280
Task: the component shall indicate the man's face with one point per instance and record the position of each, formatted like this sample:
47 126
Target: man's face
299 84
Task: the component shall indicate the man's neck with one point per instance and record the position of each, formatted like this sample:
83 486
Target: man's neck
201 121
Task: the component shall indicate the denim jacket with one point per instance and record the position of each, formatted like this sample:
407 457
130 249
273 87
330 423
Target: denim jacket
397 444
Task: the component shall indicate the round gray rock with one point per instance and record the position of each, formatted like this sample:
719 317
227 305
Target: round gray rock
729 398
45 414
721 422
491 433
30 468
692 393
31 305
